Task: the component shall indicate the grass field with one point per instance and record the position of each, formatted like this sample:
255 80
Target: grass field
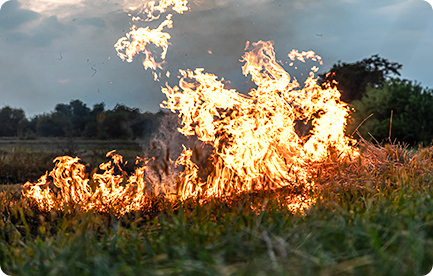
373 216
27 160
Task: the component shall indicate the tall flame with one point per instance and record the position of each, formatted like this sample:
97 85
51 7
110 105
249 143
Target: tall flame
256 139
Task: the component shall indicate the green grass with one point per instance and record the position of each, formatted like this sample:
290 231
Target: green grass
374 216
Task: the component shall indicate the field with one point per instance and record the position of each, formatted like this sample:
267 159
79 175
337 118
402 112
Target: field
27 160
373 216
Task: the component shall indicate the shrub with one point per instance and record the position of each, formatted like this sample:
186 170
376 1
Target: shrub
410 104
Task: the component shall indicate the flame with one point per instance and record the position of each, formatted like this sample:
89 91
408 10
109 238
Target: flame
256 145
138 39
113 192
150 8
255 139
294 54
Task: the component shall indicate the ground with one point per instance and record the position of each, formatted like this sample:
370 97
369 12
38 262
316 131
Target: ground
373 216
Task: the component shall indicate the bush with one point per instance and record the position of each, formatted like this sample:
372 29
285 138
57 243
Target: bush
410 104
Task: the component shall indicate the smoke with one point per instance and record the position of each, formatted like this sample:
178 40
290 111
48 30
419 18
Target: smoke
165 147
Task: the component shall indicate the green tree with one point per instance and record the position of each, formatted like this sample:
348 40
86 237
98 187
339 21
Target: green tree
117 122
353 78
93 127
147 124
10 119
52 126
410 104
80 117
129 123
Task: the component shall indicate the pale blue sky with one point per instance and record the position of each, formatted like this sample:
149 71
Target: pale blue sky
53 51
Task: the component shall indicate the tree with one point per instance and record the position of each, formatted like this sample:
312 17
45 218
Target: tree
80 117
76 119
10 119
93 126
147 124
412 119
353 78
116 122
51 126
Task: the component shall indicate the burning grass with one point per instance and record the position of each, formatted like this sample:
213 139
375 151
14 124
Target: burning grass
254 141
27 160
270 202
373 216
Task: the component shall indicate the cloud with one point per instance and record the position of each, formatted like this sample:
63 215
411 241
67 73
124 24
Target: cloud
94 21
12 17
400 6
53 7
40 35
70 8
49 47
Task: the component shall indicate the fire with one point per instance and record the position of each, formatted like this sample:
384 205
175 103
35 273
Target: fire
294 54
138 40
112 192
149 8
256 138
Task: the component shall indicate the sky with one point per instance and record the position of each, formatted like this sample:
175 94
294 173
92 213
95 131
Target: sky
55 51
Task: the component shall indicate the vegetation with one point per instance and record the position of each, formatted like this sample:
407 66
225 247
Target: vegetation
402 105
27 160
383 102
353 78
77 120
373 217
28 146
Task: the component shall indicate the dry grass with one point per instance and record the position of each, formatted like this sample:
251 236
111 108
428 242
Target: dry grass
374 216
27 160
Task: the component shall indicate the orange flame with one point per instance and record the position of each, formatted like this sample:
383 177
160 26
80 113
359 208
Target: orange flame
113 192
138 39
256 145
255 141
255 138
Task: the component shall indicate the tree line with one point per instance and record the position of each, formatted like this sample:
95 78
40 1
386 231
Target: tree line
77 120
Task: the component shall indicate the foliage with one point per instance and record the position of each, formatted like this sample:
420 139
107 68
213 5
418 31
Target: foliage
410 104
11 120
77 120
353 78
373 217
123 122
